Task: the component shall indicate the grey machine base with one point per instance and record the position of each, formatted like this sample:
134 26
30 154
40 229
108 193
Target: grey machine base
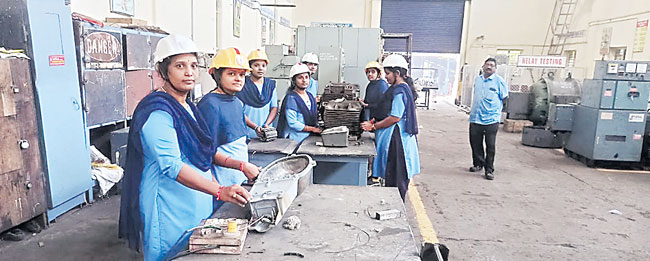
542 137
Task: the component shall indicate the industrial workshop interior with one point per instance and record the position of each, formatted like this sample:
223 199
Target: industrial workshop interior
481 130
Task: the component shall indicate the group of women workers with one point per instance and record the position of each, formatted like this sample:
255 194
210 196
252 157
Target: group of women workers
184 161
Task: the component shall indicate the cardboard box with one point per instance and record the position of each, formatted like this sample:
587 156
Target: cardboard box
516 126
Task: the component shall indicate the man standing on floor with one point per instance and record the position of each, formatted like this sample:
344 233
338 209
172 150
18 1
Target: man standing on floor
490 93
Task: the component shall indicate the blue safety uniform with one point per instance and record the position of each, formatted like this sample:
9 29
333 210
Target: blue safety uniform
258 101
313 87
224 115
397 158
296 113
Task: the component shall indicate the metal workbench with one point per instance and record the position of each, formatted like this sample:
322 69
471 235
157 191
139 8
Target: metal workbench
262 153
340 166
335 226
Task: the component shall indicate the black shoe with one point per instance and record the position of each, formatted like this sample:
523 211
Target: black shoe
489 175
475 169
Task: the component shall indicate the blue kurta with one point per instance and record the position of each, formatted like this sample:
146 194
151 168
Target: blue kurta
168 208
313 87
224 115
259 115
409 142
295 120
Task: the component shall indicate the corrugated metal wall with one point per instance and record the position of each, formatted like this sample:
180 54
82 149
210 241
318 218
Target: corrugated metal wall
436 24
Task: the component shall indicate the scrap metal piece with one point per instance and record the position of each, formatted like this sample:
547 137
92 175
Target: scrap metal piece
278 184
335 137
268 134
292 223
335 91
388 214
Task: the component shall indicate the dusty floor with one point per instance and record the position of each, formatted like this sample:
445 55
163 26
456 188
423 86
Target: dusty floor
541 206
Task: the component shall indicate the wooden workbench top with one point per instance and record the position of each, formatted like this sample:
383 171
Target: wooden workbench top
364 147
335 226
284 146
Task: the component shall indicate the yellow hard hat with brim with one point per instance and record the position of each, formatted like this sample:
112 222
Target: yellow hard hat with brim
258 54
374 64
229 58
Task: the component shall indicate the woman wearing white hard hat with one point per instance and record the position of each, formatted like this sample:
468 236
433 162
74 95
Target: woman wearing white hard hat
311 60
395 125
168 184
224 115
374 91
298 113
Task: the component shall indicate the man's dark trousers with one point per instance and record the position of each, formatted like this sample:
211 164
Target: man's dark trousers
476 134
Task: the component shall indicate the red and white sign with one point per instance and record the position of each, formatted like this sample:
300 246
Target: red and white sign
57 60
542 61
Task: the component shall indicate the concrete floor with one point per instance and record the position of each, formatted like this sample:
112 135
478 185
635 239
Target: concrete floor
542 205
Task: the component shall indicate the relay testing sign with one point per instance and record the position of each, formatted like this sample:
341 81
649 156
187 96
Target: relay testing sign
541 61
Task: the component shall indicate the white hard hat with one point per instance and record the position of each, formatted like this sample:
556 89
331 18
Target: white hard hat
173 45
310 58
395 60
298 69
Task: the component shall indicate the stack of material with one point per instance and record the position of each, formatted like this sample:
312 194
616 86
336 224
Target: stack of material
219 236
335 91
510 125
343 113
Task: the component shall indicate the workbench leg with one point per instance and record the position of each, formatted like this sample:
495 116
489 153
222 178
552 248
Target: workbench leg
363 174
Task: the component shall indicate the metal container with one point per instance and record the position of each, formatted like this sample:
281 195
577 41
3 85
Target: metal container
138 85
335 137
105 98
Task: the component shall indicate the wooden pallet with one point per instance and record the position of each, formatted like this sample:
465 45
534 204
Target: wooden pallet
213 241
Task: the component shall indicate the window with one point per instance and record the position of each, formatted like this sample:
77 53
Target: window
264 31
617 53
513 55
570 58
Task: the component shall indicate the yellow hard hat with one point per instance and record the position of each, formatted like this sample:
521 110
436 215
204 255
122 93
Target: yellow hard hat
374 64
258 54
229 58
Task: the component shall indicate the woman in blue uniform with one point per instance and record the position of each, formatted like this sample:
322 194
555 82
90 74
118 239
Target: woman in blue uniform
311 60
374 91
258 95
299 114
224 115
168 185
396 128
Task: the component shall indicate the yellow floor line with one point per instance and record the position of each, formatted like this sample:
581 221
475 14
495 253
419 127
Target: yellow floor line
424 223
624 171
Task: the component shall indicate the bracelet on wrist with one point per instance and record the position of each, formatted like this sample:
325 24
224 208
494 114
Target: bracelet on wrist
219 193
241 166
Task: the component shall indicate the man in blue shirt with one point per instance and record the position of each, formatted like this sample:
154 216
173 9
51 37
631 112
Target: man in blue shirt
490 93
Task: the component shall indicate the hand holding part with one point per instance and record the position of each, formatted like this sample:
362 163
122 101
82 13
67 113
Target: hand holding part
316 130
235 194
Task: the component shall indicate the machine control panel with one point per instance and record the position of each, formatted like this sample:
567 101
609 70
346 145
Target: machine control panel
622 70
